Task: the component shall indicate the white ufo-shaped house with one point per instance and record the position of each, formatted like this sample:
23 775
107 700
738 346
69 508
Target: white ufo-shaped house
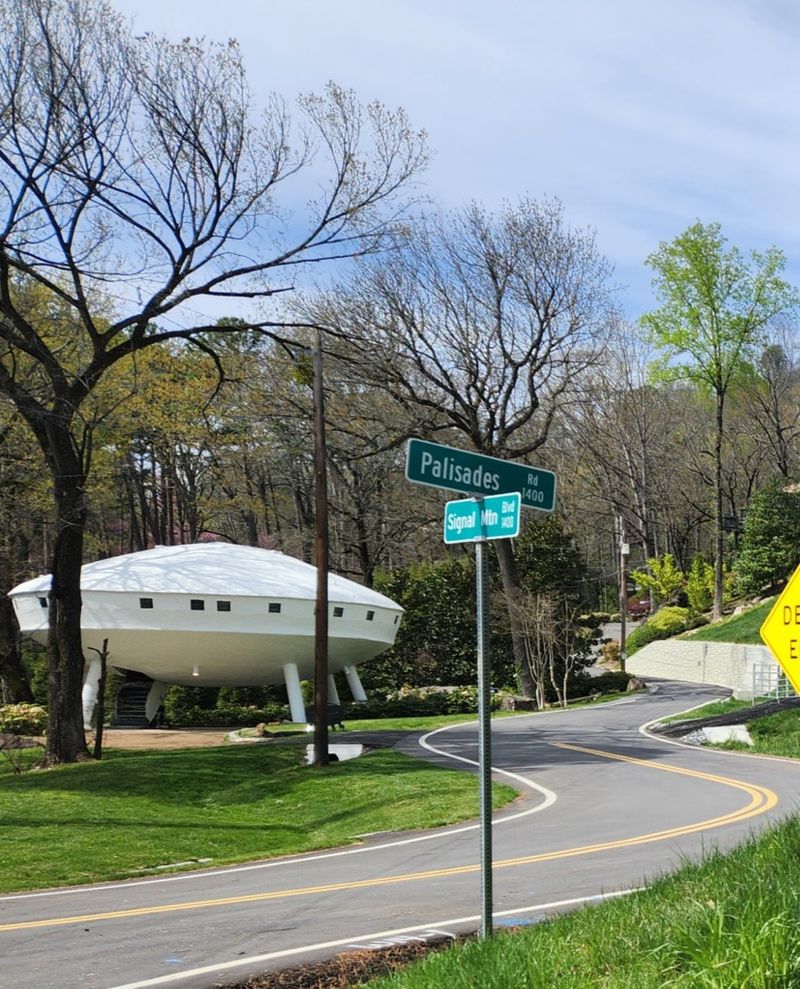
215 614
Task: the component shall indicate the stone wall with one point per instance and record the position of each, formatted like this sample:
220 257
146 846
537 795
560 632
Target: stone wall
725 664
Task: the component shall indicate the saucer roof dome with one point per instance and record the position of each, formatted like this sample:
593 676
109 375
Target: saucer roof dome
213 569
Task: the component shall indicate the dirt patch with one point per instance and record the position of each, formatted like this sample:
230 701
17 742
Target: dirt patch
351 968
160 738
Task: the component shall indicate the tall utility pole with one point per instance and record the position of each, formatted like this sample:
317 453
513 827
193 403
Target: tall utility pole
321 559
624 552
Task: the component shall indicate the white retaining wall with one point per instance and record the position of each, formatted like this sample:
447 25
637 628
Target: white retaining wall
722 663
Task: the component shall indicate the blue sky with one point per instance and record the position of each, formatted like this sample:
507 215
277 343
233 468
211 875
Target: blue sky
640 116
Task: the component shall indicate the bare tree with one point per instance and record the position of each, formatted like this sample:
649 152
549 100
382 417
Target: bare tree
481 324
770 397
135 177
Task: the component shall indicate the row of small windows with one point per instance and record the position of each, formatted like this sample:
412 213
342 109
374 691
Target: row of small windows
274 607
198 604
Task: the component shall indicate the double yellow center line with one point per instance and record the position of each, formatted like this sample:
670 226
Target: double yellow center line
761 800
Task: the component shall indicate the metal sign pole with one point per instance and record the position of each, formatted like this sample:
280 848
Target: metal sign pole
484 738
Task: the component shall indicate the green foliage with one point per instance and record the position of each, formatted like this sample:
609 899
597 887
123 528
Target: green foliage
777 734
228 716
548 558
553 584
770 547
714 306
665 623
420 702
610 682
700 584
35 663
608 599
23 719
663 577
179 700
436 640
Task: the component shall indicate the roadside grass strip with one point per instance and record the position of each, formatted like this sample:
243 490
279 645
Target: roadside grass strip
145 813
732 921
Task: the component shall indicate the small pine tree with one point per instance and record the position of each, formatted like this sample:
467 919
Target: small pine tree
700 584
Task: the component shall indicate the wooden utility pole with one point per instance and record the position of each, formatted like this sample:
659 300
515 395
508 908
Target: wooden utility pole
624 552
321 559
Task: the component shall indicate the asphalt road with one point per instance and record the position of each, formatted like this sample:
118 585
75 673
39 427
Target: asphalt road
604 807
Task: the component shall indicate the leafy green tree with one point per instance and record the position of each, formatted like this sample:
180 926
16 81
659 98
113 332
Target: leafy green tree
715 304
437 638
770 548
548 558
663 578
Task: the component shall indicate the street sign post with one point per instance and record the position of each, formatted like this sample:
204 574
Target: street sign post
476 474
489 514
781 630
471 520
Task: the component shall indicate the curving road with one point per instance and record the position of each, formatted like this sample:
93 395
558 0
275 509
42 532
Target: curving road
604 807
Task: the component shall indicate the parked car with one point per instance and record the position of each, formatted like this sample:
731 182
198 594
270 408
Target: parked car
639 609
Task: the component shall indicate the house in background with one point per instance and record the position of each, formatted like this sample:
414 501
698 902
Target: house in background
213 615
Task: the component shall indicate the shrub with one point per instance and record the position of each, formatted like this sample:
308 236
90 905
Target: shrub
610 653
595 618
413 702
228 717
615 681
23 719
665 623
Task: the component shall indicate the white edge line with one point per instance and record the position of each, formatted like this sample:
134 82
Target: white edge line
173 977
549 796
439 834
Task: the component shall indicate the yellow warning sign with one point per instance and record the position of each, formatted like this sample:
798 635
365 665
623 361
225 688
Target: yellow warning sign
781 630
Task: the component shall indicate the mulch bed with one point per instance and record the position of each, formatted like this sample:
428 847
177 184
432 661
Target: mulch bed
344 971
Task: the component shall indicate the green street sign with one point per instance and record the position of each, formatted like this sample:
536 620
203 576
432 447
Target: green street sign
476 474
472 520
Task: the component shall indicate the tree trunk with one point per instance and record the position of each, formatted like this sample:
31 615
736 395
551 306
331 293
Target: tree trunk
719 546
14 685
66 740
508 575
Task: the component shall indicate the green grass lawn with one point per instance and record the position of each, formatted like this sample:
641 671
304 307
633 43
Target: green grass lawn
729 923
415 723
741 628
776 734
131 813
726 706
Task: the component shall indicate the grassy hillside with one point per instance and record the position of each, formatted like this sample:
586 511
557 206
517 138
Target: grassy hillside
741 628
